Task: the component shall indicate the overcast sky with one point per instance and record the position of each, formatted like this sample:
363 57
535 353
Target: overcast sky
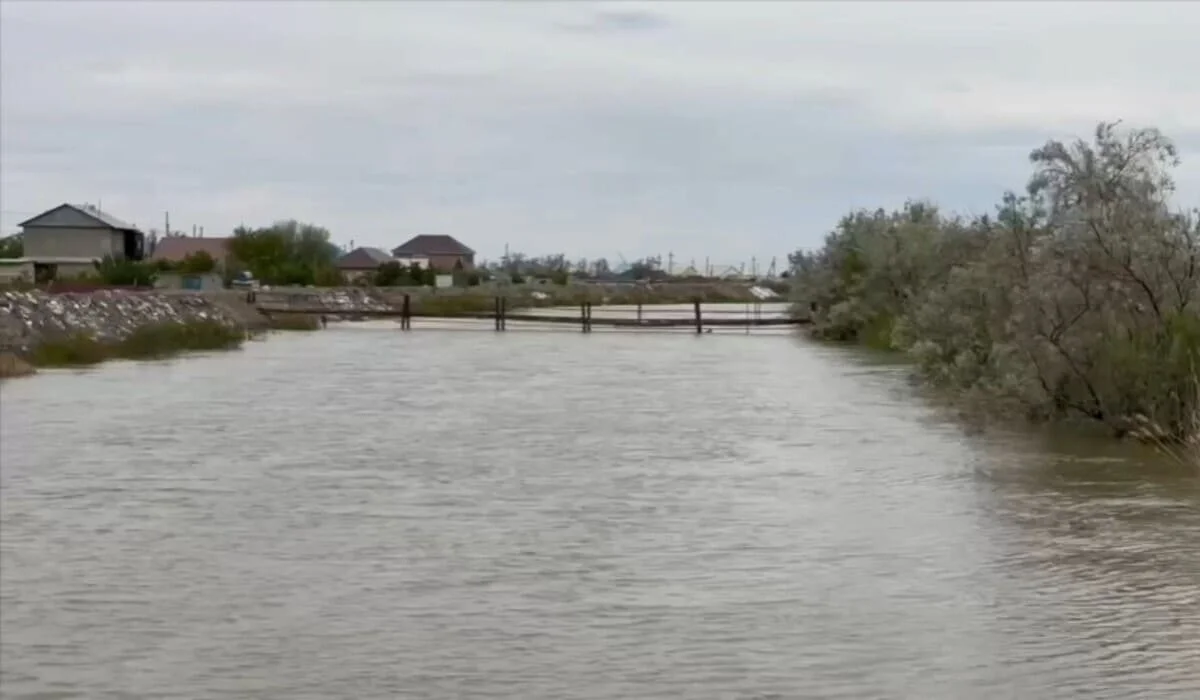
721 129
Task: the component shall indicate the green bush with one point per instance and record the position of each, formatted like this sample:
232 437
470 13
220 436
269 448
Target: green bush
1076 300
197 263
391 274
119 272
70 351
165 339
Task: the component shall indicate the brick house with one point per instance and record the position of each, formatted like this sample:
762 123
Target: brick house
175 248
444 253
361 263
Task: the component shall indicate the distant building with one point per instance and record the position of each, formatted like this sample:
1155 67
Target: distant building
729 272
362 263
175 248
442 252
69 239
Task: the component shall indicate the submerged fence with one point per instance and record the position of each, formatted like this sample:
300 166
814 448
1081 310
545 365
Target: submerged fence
697 318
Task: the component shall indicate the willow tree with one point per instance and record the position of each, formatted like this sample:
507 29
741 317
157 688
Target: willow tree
1079 297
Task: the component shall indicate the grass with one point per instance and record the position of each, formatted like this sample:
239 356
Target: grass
1185 448
148 342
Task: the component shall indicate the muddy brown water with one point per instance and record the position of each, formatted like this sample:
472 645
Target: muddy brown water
365 513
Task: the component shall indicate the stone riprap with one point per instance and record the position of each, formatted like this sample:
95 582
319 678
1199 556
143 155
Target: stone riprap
28 319
340 301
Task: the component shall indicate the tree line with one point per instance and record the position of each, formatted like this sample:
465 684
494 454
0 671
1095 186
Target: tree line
558 268
287 252
1078 298
292 253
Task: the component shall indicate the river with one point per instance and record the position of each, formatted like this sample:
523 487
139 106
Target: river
368 513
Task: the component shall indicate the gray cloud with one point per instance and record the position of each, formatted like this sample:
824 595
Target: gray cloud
726 130
617 22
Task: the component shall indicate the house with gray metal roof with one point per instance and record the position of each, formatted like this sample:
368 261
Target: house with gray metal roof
70 238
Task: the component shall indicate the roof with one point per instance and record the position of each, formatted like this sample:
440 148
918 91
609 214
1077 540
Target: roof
176 248
363 259
426 245
86 210
105 217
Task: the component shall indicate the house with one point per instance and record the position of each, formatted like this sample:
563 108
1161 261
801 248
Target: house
362 263
68 239
442 252
174 249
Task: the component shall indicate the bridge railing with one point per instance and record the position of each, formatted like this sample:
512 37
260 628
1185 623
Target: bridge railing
586 316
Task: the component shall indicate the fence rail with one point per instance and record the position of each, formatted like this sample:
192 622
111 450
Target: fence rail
750 316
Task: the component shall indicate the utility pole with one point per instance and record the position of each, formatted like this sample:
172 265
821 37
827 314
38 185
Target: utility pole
166 223
671 264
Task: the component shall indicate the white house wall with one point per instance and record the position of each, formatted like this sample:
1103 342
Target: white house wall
53 242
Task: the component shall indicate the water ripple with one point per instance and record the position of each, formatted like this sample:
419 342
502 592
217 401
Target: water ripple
364 513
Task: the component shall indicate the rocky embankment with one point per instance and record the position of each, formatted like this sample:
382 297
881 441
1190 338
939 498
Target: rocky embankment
28 319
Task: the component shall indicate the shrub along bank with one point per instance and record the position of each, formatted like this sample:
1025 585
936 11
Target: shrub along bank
1079 299
146 342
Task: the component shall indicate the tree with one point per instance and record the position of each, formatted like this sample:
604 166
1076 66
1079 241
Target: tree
12 246
287 253
196 263
392 274
1079 298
